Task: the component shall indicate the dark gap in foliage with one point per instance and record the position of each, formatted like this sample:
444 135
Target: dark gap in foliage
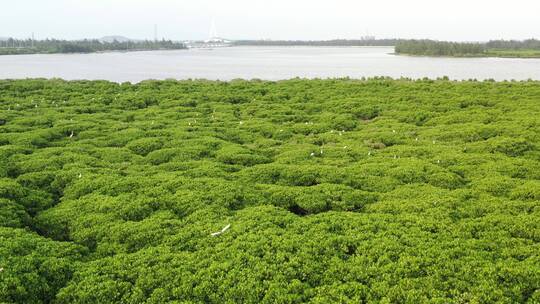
298 210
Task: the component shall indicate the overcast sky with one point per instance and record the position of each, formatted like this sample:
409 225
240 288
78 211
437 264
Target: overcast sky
470 20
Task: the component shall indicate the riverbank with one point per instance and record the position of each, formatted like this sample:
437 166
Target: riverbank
93 52
514 53
53 46
495 48
518 54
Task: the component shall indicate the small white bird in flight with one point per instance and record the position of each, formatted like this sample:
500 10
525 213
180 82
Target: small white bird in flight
222 230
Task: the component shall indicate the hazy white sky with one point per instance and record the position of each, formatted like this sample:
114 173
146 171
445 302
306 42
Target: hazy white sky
275 19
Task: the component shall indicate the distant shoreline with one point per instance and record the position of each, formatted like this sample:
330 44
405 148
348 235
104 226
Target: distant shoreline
517 49
53 46
496 48
515 55
488 55
96 52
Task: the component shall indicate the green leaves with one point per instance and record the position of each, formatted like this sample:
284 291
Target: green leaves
144 146
34 268
368 191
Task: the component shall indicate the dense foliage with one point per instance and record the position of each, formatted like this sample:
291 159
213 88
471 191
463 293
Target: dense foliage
529 44
497 48
439 48
49 46
336 191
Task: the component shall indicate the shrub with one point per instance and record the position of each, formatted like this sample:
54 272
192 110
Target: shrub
143 146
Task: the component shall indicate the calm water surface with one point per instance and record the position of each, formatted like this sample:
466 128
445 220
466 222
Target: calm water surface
271 63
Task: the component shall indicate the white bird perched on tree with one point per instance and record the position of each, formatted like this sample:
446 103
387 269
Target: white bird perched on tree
71 135
312 154
222 230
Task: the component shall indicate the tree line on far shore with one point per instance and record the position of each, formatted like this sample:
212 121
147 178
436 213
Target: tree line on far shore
421 47
334 42
49 46
426 47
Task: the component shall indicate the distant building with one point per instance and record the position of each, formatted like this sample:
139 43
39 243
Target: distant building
218 40
367 37
214 42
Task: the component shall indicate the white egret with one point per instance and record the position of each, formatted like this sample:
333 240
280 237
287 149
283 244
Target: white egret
222 230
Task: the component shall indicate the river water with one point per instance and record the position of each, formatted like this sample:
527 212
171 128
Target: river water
272 63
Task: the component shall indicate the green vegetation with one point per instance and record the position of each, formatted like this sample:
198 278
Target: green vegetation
496 48
347 191
523 53
439 48
51 46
